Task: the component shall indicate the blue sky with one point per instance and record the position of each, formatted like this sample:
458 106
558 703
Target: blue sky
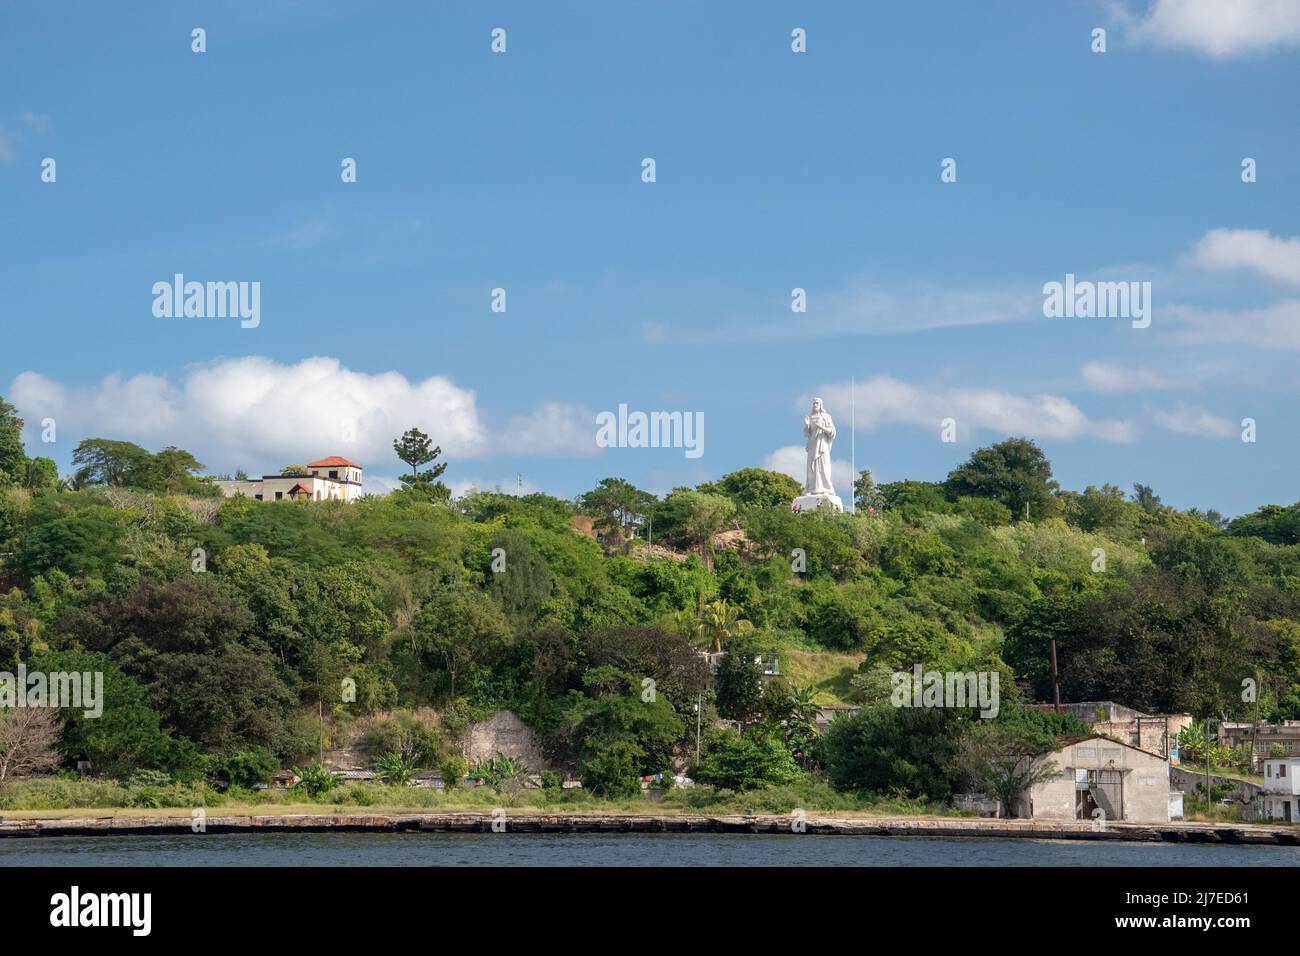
775 170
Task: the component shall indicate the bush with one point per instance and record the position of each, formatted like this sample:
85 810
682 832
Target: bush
247 768
316 780
453 771
734 762
613 771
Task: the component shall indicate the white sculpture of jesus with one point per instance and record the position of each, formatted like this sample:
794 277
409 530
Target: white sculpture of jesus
820 432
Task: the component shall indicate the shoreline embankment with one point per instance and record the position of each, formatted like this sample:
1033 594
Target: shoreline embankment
523 821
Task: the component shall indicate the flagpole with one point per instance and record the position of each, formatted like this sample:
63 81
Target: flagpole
853 449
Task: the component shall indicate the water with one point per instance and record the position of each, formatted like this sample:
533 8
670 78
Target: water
686 849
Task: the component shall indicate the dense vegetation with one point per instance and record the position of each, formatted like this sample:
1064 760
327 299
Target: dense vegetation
235 635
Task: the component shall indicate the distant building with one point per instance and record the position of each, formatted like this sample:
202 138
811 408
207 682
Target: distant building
1260 739
285 780
1103 780
330 479
828 712
1280 799
1154 733
355 776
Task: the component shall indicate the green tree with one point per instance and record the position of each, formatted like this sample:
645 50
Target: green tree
13 457
692 519
732 761
1147 499
460 632
755 488
867 495
1104 509
721 621
1014 472
248 768
1004 760
885 749
416 449
41 473
738 683
618 506
102 461
127 735
172 470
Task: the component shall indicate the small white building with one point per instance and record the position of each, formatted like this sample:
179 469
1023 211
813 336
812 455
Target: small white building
1101 778
1280 799
330 479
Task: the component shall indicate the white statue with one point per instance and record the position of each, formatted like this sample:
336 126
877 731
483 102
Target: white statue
820 432
818 491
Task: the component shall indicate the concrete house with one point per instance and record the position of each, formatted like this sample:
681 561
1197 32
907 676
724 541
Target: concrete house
1280 798
1096 773
1156 733
330 479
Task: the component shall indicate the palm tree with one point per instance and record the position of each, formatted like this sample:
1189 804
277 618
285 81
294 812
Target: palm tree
722 621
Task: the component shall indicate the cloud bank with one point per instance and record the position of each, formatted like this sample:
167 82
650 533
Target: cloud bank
261 414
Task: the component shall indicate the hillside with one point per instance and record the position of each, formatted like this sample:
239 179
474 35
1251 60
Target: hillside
232 631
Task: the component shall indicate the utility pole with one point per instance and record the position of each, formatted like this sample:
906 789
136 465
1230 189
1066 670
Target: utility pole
1208 801
1056 679
1254 736
699 716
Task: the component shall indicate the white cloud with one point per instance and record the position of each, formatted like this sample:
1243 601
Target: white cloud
1101 377
551 428
868 309
260 414
1271 327
9 141
1253 249
1190 420
792 460
1220 28
37 121
888 401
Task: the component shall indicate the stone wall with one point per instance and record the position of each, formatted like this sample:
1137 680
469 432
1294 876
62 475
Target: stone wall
506 734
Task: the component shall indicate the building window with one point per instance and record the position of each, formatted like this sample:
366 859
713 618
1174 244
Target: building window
258 497
279 495
334 474
1281 770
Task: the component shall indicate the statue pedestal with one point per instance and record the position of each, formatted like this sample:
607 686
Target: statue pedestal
813 502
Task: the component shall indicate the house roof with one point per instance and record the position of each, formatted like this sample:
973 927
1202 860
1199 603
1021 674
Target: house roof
333 461
305 490
1064 742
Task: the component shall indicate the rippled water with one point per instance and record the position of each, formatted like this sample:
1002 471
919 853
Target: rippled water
694 849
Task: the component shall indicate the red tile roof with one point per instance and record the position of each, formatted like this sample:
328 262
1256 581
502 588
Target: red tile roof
333 461
305 490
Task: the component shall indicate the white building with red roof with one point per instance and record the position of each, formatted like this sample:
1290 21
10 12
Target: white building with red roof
331 479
